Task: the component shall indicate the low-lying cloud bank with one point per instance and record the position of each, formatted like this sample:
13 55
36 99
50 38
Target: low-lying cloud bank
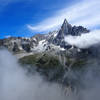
16 85
85 40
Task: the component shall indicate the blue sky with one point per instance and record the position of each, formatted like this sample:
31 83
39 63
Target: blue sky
28 17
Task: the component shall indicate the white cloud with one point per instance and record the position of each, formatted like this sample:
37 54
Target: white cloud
16 85
85 12
7 36
85 40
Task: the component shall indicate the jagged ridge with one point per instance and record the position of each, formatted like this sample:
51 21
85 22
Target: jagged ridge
43 42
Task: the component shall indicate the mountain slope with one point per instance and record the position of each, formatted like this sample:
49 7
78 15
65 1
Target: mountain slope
55 59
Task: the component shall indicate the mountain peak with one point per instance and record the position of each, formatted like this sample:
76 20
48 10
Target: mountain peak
66 27
65 21
65 24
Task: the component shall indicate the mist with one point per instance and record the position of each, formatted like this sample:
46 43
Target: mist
15 84
85 40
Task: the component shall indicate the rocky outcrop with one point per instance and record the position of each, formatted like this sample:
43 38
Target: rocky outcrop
78 30
1 42
67 29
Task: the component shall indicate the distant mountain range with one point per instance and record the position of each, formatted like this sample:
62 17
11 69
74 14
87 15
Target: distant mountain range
44 42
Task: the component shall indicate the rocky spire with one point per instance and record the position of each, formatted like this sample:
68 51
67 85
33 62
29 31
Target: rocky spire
66 27
65 22
65 30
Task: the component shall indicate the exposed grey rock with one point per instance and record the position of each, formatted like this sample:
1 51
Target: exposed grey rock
1 42
67 29
15 47
78 30
51 40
